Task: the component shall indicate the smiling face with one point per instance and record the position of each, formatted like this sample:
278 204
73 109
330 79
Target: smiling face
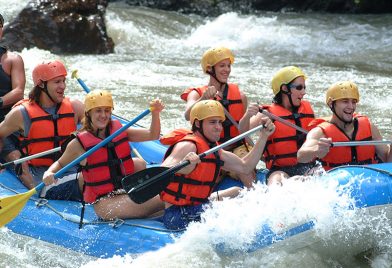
222 70
100 117
345 109
56 88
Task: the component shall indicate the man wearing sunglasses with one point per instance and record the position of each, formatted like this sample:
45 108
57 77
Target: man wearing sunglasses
280 154
343 126
12 85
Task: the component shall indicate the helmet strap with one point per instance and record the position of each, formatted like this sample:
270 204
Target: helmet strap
213 74
45 89
345 122
289 96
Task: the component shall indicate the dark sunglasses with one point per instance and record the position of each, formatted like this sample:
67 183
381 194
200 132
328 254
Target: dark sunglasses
297 87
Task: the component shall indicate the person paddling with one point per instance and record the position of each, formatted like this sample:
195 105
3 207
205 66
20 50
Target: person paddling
289 88
44 121
191 188
103 170
216 62
343 125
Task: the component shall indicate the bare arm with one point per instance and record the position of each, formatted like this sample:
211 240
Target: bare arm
13 122
179 153
73 150
245 122
18 80
141 134
78 108
194 97
315 146
382 150
247 164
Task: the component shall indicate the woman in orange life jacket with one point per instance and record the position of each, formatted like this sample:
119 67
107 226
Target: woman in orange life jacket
280 155
44 121
190 190
216 62
103 170
343 125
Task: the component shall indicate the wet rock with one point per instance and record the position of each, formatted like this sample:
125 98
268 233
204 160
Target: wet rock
61 26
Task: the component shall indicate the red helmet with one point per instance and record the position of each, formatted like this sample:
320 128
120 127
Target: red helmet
48 70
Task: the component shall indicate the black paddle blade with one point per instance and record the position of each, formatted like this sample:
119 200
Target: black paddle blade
145 184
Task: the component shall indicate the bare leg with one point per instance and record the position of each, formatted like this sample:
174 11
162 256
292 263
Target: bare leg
139 164
121 206
277 178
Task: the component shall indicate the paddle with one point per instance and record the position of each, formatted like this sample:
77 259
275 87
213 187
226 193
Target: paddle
21 160
232 120
359 143
283 121
11 206
147 183
87 90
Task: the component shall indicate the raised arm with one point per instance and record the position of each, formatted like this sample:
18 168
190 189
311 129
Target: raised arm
247 164
153 133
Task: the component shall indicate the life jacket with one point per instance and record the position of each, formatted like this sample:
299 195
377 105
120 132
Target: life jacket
282 146
349 155
195 187
47 131
231 100
108 165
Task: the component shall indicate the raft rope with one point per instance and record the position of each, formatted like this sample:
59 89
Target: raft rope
42 202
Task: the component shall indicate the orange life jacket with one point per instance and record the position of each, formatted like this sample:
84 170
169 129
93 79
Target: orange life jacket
195 187
282 146
47 131
354 155
232 101
108 165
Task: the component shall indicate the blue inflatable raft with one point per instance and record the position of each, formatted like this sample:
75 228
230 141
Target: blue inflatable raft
57 221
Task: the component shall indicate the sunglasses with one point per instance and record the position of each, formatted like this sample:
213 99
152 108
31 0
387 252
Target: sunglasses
297 87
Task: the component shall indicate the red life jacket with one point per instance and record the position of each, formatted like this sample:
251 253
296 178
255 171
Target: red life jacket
282 146
232 101
195 187
108 165
47 131
349 155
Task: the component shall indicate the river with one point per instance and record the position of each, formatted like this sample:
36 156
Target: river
158 54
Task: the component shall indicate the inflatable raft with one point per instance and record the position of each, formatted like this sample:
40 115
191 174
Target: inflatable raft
56 221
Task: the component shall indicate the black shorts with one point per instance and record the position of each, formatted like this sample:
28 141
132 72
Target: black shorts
298 169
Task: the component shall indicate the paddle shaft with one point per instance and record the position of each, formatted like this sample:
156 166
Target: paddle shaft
95 148
27 158
183 164
232 120
358 143
281 120
87 90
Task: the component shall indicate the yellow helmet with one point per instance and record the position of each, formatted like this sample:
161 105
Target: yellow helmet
285 76
206 109
98 98
215 55
342 90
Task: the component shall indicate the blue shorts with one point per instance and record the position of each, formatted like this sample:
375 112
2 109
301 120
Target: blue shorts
178 217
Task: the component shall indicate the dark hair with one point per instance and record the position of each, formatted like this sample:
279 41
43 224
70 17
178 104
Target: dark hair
278 98
35 93
1 20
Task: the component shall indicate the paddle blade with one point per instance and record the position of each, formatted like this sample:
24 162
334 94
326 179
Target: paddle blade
147 183
11 206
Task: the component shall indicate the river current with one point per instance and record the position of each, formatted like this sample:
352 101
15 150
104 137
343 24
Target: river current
158 54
